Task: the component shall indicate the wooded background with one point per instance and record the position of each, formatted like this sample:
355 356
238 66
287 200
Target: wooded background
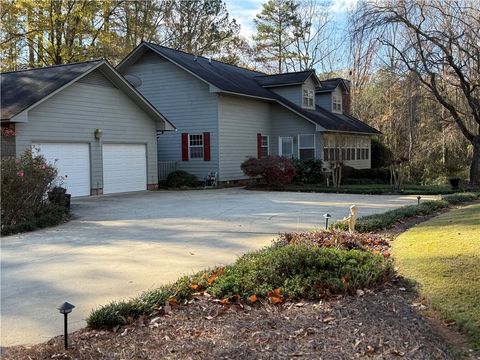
414 66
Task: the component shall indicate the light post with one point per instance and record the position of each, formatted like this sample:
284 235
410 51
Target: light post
326 216
65 309
418 200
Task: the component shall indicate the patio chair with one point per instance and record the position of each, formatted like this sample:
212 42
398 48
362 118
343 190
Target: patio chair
211 180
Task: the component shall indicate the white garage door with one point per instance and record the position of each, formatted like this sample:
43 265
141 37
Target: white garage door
72 162
124 168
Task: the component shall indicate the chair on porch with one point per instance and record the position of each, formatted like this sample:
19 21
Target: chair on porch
211 180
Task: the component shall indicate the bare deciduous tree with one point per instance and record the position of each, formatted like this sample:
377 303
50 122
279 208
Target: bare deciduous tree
441 46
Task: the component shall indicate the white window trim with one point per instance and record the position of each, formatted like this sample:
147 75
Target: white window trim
268 144
203 147
308 88
314 145
280 144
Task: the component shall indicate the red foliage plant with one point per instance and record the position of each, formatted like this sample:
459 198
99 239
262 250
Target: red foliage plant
274 170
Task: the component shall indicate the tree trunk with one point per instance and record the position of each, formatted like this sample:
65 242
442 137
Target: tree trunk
475 165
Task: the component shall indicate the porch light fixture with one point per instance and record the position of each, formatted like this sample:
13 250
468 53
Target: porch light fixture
98 134
418 200
65 309
326 216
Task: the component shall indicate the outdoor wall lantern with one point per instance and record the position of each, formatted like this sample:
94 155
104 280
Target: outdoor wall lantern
65 309
418 200
98 134
326 216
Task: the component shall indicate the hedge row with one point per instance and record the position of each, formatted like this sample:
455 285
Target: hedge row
382 221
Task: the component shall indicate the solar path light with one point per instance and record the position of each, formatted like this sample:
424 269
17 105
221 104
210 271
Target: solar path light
326 216
65 309
418 200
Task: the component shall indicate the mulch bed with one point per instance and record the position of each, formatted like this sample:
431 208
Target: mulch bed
377 325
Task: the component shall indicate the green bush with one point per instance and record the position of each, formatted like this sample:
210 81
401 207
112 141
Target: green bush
301 271
308 171
365 176
25 184
382 221
381 155
298 271
180 178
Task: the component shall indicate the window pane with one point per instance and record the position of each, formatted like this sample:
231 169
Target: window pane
325 154
264 151
287 147
196 152
306 154
307 141
264 140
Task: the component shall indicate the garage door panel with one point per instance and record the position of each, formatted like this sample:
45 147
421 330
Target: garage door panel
72 162
124 168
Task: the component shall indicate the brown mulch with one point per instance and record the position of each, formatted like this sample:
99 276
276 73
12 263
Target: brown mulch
377 325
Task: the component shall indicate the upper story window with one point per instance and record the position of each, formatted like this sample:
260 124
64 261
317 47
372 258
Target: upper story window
195 146
308 98
336 103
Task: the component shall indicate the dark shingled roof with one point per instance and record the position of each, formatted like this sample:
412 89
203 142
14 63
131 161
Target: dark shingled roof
234 79
21 89
283 79
330 85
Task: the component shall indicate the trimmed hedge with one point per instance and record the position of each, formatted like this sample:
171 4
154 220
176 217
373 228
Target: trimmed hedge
287 271
180 179
382 221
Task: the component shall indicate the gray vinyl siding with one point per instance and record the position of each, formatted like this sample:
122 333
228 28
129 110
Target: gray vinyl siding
186 102
240 120
324 100
292 93
287 123
73 114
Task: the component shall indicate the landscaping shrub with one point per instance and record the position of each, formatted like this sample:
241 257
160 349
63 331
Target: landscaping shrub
308 171
58 195
274 170
337 239
365 176
382 221
280 272
25 184
180 178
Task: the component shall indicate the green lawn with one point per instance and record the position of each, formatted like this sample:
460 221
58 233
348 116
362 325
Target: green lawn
443 256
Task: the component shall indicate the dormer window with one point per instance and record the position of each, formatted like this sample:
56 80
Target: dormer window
308 98
336 103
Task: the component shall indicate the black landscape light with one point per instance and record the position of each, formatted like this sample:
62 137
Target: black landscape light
418 200
65 309
326 216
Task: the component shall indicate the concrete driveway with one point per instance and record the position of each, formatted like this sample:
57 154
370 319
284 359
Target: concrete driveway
117 246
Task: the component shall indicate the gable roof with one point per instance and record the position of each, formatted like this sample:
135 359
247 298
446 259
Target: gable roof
21 89
240 81
25 89
291 78
330 85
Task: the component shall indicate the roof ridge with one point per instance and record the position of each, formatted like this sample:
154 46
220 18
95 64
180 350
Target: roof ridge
285 73
52 66
205 58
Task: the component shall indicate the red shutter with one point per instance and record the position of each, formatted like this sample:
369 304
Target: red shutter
184 147
206 146
259 146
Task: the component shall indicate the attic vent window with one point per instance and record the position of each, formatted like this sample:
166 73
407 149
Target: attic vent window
308 98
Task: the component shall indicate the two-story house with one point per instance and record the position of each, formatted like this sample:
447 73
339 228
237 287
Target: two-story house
225 114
